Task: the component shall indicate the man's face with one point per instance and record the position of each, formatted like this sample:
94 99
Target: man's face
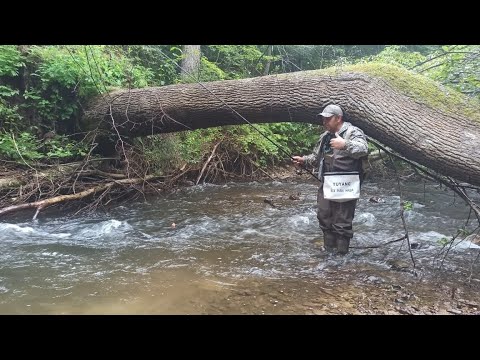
331 124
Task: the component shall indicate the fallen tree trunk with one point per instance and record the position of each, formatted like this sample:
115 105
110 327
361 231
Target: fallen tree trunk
443 140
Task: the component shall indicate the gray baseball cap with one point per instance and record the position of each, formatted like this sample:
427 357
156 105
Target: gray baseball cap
331 110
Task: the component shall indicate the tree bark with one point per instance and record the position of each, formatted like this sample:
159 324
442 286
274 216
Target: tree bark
445 142
269 62
191 63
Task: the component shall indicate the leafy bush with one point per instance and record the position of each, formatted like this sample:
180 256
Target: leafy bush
397 55
161 152
20 147
58 80
10 60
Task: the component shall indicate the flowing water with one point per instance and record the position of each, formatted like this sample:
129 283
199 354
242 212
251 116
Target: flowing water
223 249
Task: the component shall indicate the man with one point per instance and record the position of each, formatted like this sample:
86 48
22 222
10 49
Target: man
340 148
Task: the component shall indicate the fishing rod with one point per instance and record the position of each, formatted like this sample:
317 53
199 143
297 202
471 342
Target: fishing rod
238 114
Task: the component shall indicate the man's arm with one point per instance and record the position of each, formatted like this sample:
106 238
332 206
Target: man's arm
312 159
357 145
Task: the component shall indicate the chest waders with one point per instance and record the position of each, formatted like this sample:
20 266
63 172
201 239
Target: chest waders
335 218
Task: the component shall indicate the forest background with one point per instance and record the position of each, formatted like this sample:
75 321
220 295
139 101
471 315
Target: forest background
44 89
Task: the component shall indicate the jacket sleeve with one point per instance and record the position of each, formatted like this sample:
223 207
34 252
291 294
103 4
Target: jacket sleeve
312 159
356 145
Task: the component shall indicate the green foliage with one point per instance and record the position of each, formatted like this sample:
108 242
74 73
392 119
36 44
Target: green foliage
26 147
194 144
209 71
162 60
455 65
9 116
371 147
162 152
10 60
287 139
236 61
396 55
10 63
443 241
407 205
288 58
60 78
299 137
461 232
15 147
88 70
252 142
221 62
61 147
7 91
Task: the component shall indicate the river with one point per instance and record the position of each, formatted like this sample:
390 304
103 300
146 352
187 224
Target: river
224 249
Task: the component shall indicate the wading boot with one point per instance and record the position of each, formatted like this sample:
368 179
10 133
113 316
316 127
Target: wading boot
329 241
343 243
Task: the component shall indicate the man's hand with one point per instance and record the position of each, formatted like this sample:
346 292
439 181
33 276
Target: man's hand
338 142
297 161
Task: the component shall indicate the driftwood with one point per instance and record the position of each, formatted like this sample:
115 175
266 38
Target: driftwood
14 180
42 204
101 173
207 162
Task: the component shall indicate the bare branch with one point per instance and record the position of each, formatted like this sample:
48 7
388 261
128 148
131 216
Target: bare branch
39 205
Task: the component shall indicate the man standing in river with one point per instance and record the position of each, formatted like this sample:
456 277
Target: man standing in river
340 148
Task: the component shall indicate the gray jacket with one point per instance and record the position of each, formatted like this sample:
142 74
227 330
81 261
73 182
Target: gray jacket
348 159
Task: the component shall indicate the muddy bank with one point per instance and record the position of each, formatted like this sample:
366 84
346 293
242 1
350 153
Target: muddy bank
341 291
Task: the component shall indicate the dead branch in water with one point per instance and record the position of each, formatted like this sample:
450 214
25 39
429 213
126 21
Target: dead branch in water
458 188
42 204
207 162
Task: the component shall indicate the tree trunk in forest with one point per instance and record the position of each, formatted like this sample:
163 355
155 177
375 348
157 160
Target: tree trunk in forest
269 62
445 142
191 63
24 76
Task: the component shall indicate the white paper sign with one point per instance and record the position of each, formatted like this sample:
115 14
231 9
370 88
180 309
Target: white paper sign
341 186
